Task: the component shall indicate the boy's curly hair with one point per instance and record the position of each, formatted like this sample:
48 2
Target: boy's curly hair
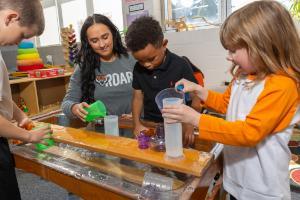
143 31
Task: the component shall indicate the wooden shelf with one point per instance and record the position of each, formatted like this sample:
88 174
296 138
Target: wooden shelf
41 95
22 80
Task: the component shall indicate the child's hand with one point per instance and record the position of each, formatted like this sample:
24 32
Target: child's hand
138 128
126 116
181 113
188 86
79 111
39 134
196 89
26 123
188 135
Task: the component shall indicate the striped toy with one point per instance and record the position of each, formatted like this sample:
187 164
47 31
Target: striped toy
28 57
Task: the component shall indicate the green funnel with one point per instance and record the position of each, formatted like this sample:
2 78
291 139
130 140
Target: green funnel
96 110
46 142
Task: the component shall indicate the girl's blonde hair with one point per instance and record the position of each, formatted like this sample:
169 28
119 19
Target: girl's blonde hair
267 31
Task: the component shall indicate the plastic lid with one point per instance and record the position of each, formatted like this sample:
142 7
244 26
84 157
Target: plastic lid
96 110
179 87
187 96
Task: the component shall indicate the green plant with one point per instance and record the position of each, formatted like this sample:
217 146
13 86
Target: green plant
295 9
123 32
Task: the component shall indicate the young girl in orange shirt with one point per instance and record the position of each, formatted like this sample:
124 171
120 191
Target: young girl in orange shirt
261 103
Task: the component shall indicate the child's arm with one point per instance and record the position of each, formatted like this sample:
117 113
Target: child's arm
188 129
10 131
71 106
217 101
137 106
272 113
20 116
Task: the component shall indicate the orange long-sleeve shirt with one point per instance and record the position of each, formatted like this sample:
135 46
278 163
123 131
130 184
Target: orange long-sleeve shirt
273 111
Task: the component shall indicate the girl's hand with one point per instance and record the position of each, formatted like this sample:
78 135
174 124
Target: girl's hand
181 113
79 111
37 135
194 88
188 86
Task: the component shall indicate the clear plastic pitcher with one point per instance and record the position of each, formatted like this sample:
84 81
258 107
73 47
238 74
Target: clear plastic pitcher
167 93
173 132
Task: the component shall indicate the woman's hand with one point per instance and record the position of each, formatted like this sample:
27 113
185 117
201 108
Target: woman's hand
181 113
79 111
126 116
37 135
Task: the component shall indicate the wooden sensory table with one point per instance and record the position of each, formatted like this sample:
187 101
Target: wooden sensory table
199 164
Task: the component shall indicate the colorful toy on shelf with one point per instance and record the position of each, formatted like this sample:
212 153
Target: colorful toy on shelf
70 48
22 105
46 73
28 57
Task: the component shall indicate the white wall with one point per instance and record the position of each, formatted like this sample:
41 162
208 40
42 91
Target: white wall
204 49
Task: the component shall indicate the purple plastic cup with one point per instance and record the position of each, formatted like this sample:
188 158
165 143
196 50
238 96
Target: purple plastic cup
143 140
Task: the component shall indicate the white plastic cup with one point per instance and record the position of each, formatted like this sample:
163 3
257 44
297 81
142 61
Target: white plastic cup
111 125
173 132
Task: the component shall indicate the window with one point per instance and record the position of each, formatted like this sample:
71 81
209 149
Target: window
62 13
74 12
112 10
193 14
50 35
236 4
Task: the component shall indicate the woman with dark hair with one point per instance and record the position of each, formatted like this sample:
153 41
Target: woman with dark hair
103 70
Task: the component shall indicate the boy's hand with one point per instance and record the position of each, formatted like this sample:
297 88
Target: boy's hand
79 111
188 135
37 135
138 128
26 123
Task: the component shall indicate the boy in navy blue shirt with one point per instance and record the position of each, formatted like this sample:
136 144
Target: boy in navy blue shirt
156 69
